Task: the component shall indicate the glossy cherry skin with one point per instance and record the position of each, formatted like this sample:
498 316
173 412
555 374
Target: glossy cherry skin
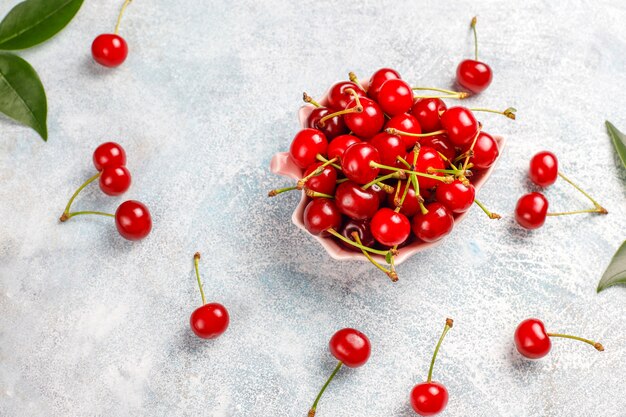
362 228
441 144
405 123
356 160
378 79
426 158
109 50
351 347
460 124
531 210
355 202
395 97
473 75
456 196
115 181
544 169
429 398
331 128
322 183
320 215
427 112
133 220
435 224
390 228
109 154
485 151
531 339
339 98
389 147
366 123
306 145
209 321
410 206
337 147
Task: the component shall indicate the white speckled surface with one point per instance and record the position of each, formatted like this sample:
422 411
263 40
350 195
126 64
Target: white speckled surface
91 325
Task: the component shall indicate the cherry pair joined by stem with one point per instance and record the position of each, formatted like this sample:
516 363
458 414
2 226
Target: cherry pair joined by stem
473 74
110 49
211 319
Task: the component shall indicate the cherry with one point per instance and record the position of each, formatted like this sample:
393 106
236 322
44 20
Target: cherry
320 215
395 97
110 49
210 320
109 155
351 348
390 228
306 145
456 196
428 112
378 79
389 147
115 181
355 202
324 182
485 151
433 225
133 220
441 144
532 340
362 228
427 159
405 123
460 124
356 163
430 398
472 74
331 128
410 205
337 147
544 169
531 210
367 122
339 95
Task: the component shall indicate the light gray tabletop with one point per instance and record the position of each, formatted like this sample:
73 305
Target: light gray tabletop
92 325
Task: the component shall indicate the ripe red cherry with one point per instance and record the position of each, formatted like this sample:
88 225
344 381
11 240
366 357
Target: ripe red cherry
395 97
306 145
435 224
427 112
485 151
473 75
410 206
531 339
544 169
456 196
362 228
210 320
350 347
133 220
322 183
109 50
405 123
429 398
531 210
390 228
320 215
378 79
366 123
339 98
460 124
331 128
389 147
115 181
109 154
427 158
441 144
337 147
356 160
355 202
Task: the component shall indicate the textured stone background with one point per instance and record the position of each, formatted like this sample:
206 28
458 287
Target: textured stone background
92 325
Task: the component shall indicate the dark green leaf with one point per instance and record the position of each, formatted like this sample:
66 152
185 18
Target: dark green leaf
388 257
34 21
616 271
22 96
619 141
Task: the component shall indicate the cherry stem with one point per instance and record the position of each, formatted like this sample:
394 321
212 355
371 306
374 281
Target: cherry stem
473 25
317 171
322 159
599 208
358 108
508 112
403 161
274 193
356 245
119 17
596 345
308 99
315 194
450 93
317 399
397 174
447 180
486 210
391 273
470 151
448 326
67 216
354 79
196 259
66 212
394 131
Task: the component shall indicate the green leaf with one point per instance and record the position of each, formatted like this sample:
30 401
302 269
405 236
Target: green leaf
616 271
32 22
388 257
22 96
619 141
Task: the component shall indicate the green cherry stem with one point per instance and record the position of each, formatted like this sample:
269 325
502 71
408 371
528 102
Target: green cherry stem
119 17
356 245
473 25
391 273
317 399
397 174
66 213
449 93
315 172
322 159
308 99
80 213
596 345
358 108
274 193
446 179
196 259
486 210
509 112
448 326
315 194
599 208
394 131
352 76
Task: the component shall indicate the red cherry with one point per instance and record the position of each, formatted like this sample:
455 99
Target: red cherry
109 154
426 159
306 145
115 181
350 347
460 124
405 123
395 97
362 228
429 398
410 206
320 215
441 144
356 160
378 79
109 50
390 228
339 98
485 151
531 339
337 147
366 123
435 224
427 112
133 220
331 128
210 320
473 75
531 210
456 196
389 147
544 169
355 202
322 183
